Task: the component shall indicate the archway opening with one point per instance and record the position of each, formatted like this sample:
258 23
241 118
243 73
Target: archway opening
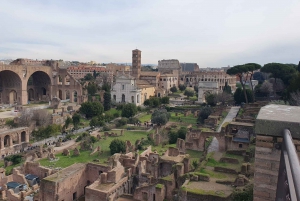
23 136
30 95
7 141
123 98
12 97
67 94
75 96
60 94
40 83
10 87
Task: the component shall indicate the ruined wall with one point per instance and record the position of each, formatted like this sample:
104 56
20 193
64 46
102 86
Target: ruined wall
150 193
94 170
35 169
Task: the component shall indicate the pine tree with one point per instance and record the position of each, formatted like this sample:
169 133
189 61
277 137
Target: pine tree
107 100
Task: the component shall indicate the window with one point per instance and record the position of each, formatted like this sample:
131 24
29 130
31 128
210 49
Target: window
74 196
123 87
164 79
132 99
137 98
123 98
240 145
160 79
115 98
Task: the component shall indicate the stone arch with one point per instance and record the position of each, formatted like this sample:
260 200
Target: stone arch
23 136
7 141
41 83
10 82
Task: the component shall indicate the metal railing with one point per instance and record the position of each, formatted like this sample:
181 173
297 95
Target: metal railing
288 185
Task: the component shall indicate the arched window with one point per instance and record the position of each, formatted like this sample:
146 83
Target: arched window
123 98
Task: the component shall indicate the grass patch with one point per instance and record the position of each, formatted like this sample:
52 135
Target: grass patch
159 186
145 117
204 192
168 178
190 119
213 174
194 154
65 161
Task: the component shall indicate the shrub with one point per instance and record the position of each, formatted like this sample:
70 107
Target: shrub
117 146
106 128
204 113
133 120
15 159
121 122
173 137
182 132
160 117
93 139
173 89
116 115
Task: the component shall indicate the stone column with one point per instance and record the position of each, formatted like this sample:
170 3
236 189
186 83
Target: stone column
10 141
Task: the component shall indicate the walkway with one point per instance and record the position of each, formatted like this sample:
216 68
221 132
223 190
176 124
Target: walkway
231 114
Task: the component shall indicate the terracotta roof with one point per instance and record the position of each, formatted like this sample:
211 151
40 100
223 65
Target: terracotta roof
149 73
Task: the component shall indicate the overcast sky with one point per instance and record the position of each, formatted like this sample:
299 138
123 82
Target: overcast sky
212 33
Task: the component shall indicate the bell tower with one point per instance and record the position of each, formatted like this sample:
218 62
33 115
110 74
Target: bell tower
136 63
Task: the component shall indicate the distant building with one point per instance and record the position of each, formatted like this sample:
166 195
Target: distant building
78 72
189 67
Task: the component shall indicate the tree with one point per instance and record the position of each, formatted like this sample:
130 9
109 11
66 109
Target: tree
160 117
239 71
94 121
106 87
278 70
204 113
92 88
95 74
41 117
88 77
196 89
260 77
25 118
189 93
148 102
211 99
224 98
182 87
165 100
298 67
68 122
182 133
227 88
91 109
117 146
173 137
266 88
295 98
76 120
173 89
107 100
251 68
129 110
240 98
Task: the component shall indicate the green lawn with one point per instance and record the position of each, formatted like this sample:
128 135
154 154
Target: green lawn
194 155
188 119
65 161
112 111
144 117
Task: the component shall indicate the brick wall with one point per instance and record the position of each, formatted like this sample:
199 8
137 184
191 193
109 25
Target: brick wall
267 160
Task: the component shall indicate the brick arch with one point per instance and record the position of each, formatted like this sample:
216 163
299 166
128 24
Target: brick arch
220 137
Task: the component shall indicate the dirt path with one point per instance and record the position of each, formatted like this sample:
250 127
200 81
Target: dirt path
65 145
